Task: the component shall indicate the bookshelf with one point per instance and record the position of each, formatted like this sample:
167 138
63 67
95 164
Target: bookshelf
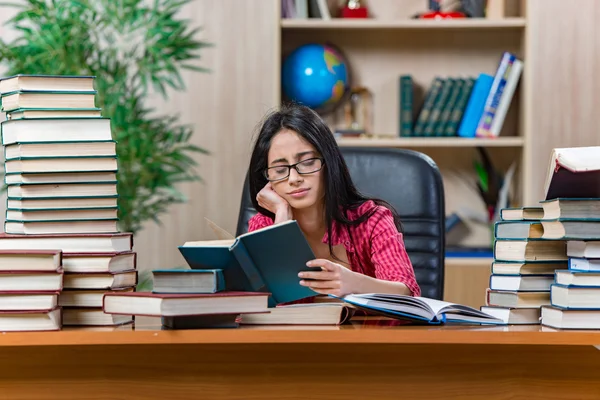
390 44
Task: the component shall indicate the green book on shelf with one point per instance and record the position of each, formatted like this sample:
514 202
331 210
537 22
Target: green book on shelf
438 106
430 98
438 129
451 127
406 105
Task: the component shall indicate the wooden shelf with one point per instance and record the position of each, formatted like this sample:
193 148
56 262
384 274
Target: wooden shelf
341 23
432 142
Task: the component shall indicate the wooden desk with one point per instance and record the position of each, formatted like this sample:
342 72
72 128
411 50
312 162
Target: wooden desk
364 360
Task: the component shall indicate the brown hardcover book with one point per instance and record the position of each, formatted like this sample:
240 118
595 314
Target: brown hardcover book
163 305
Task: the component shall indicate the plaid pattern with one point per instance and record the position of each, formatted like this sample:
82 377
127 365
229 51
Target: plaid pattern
374 248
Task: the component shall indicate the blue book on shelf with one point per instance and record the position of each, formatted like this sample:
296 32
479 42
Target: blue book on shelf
266 260
475 106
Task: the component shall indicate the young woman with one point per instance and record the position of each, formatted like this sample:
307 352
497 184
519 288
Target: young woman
298 172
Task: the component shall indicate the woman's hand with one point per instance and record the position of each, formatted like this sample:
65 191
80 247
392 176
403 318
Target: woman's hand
268 199
331 279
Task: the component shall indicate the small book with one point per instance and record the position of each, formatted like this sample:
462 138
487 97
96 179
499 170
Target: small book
93 317
71 243
76 148
60 177
518 230
72 83
45 130
573 172
530 250
515 316
558 318
100 262
188 281
302 314
84 298
575 297
266 260
522 213
419 310
571 208
61 227
62 215
100 280
172 304
216 321
73 203
30 320
524 283
31 281
33 113
568 228
30 260
527 268
514 299
46 99
27 300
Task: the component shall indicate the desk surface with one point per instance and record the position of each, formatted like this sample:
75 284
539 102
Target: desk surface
365 330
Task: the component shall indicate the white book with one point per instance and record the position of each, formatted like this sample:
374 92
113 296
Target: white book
506 98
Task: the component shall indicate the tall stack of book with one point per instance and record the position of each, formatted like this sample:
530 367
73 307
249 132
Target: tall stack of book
60 171
523 266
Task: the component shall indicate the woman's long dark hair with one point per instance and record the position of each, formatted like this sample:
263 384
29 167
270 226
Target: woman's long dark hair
339 188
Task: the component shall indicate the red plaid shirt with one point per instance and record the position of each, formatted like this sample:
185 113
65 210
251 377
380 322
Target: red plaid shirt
374 247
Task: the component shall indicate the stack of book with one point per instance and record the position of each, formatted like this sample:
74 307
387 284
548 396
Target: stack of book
575 292
523 266
188 298
61 176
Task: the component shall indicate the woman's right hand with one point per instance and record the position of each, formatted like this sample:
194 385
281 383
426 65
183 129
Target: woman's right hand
268 199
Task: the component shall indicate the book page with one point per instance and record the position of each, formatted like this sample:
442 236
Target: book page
210 243
221 233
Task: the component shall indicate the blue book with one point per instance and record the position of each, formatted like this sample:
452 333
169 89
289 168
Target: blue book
188 281
266 260
475 106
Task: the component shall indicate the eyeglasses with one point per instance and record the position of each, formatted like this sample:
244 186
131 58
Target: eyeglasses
280 172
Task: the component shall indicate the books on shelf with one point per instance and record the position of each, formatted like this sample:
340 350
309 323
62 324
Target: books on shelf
61 171
463 106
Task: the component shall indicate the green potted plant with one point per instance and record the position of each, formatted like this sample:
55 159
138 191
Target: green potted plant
132 47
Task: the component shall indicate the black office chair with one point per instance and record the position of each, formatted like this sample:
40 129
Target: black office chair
411 182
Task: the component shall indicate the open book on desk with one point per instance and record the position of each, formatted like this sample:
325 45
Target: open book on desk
419 309
266 260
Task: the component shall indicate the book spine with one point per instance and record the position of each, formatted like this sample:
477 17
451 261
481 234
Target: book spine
505 100
439 129
243 258
493 99
437 108
406 105
474 108
458 114
427 106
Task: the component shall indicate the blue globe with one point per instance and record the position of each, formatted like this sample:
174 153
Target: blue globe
315 75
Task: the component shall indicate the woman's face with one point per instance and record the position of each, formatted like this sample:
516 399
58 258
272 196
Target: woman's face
299 190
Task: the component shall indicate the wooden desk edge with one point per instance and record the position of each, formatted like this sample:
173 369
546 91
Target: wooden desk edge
298 335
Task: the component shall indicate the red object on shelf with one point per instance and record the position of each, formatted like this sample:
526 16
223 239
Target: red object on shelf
442 15
354 9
